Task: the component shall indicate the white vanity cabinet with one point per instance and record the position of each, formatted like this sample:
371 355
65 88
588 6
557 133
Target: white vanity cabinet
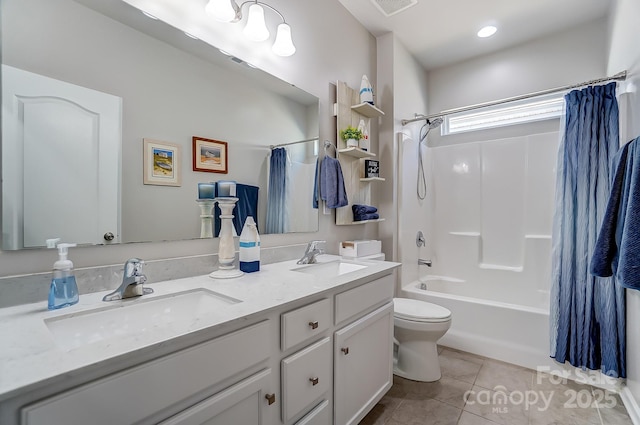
363 364
307 375
322 359
362 344
320 415
363 350
305 323
144 393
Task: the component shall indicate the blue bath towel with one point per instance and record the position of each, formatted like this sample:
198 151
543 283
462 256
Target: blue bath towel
363 209
364 217
246 206
617 249
332 183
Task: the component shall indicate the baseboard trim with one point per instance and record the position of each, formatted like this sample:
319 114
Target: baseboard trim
631 405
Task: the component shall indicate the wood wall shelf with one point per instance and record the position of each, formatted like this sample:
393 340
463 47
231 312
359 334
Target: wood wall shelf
356 152
372 179
368 110
367 221
349 111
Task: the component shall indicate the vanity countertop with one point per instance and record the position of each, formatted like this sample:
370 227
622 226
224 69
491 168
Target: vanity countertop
30 354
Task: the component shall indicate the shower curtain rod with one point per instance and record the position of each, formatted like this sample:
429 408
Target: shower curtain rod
294 143
619 76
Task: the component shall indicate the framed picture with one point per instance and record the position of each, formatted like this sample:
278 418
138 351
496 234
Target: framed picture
210 155
371 168
161 162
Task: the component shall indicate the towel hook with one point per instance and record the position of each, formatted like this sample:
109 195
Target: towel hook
327 144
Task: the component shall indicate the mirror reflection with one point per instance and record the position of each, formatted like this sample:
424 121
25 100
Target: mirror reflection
73 168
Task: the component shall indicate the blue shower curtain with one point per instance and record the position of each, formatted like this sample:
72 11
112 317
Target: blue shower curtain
277 215
587 312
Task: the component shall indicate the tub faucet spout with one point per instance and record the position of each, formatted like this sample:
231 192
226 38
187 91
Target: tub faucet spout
422 262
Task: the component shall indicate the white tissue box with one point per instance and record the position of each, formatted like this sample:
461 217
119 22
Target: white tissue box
360 248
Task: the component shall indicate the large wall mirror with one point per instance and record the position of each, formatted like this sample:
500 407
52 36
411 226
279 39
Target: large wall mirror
145 80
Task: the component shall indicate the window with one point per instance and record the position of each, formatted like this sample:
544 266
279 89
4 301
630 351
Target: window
529 110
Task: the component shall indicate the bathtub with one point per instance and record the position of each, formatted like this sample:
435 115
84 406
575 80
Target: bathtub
502 329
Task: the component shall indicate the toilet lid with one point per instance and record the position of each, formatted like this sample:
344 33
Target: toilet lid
419 311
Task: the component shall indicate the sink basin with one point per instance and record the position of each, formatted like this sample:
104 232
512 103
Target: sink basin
130 317
330 269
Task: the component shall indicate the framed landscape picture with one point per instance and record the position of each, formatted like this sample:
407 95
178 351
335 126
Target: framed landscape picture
210 155
161 162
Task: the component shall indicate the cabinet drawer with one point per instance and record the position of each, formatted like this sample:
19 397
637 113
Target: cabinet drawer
306 376
318 416
241 403
304 323
364 297
135 394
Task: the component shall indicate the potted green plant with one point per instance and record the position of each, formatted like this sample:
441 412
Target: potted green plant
352 136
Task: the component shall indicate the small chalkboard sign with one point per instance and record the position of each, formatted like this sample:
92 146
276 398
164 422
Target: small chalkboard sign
371 168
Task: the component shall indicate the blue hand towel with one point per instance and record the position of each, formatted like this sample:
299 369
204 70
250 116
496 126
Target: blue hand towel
363 209
332 183
617 250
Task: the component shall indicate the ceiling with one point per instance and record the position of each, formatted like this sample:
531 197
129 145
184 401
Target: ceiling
440 33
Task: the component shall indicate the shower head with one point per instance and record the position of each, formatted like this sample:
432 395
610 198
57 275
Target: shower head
436 122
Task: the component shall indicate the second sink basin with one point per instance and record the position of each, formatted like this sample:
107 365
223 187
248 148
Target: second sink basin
330 269
135 316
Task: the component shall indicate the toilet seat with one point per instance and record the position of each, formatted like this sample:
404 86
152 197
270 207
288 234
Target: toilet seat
419 311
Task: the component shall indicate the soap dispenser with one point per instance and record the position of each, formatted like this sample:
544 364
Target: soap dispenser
249 247
64 290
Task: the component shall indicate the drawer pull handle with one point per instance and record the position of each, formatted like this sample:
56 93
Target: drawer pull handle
314 325
271 398
314 381
345 350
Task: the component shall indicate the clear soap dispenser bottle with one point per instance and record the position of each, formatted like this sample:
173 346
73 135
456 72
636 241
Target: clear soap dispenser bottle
64 289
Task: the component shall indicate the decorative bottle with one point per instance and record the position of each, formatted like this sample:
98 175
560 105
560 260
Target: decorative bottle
249 247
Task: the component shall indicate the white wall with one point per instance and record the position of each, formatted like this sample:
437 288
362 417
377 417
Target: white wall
332 46
569 57
624 53
403 84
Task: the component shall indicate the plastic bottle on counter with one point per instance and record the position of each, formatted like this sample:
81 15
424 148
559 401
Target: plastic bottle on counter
249 247
63 291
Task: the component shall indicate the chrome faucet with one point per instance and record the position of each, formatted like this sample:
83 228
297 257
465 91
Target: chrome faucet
422 262
313 250
132 282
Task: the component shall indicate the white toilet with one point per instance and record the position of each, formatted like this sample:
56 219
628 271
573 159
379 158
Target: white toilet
418 325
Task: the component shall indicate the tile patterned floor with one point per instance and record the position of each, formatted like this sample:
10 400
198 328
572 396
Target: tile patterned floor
475 390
